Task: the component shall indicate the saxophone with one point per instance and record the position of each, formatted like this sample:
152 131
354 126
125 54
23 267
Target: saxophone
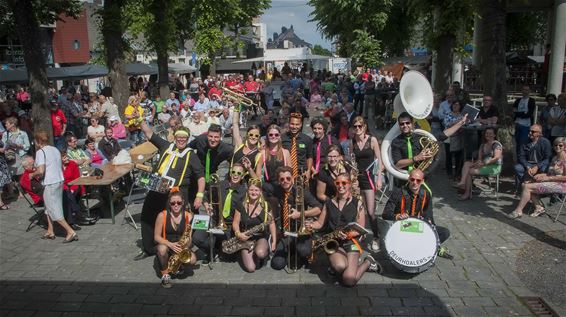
183 257
234 244
354 172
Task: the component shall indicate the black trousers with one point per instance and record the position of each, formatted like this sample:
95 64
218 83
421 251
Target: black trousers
153 204
304 250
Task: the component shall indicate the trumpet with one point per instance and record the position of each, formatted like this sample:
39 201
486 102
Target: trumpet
430 145
237 98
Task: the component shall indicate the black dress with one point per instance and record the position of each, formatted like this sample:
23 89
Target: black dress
364 158
336 218
247 222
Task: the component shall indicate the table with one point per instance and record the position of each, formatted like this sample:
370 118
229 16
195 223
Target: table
111 174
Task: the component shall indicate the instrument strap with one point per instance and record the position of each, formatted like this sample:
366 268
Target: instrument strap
410 153
207 166
184 169
413 205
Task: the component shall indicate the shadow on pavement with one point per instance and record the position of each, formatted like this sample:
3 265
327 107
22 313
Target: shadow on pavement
118 299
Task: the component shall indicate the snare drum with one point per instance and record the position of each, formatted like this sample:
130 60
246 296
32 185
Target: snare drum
411 245
153 182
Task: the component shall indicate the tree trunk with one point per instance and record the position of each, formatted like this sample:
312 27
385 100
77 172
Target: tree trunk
212 65
161 48
112 31
29 34
492 65
444 60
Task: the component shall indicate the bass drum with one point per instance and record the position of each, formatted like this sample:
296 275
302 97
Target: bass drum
411 245
386 151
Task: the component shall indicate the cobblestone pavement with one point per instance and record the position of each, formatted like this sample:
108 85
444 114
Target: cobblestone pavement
97 276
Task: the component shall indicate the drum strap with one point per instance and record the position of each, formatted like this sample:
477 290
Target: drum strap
413 205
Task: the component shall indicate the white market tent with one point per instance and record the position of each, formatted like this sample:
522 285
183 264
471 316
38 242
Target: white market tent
291 54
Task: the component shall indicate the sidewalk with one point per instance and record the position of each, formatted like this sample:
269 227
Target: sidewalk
97 276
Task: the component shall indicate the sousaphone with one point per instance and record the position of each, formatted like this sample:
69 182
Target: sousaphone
416 98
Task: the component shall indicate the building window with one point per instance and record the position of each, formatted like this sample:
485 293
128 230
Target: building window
76 44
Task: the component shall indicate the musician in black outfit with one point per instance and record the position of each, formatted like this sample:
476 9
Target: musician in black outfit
170 225
302 143
284 203
232 190
182 167
406 150
321 141
249 212
211 150
337 213
412 200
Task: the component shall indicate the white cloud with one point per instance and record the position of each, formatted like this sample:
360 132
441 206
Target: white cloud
296 13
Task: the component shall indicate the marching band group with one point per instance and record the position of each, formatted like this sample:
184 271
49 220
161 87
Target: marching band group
284 198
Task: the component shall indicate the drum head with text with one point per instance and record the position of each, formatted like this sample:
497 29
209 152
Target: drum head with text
411 245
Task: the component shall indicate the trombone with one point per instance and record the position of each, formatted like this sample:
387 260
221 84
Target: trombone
298 231
237 98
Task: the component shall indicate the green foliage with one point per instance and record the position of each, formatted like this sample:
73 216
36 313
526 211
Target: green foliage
319 50
46 11
523 29
366 50
387 20
441 18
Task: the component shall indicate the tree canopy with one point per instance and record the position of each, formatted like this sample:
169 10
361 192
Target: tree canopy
319 50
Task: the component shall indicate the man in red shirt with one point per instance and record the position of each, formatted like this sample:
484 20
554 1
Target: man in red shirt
59 124
214 90
31 187
251 86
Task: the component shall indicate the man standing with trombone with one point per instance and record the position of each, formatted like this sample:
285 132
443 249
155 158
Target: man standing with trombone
287 203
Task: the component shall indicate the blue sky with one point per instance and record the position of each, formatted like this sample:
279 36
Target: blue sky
295 12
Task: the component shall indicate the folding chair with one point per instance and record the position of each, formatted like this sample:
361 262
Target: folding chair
493 183
38 218
562 201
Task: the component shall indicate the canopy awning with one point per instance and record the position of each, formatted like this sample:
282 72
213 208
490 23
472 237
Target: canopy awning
20 75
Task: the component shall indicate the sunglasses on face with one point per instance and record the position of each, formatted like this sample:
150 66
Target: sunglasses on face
341 183
253 135
559 145
404 123
285 179
237 173
176 203
358 126
273 135
415 180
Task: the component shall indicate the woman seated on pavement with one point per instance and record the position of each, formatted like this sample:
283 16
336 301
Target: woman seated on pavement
552 182
97 159
170 225
490 159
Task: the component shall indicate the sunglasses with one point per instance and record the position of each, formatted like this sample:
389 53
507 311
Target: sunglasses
253 135
176 203
559 145
415 180
296 115
358 126
272 135
341 183
404 123
283 179
237 173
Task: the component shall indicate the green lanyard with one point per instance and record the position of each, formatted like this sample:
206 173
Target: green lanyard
227 204
207 166
410 153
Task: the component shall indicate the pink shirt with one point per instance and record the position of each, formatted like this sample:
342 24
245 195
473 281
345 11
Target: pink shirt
119 131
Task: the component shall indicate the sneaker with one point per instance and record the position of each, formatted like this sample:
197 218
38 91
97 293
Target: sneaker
443 253
375 245
142 255
373 266
330 271
166 281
